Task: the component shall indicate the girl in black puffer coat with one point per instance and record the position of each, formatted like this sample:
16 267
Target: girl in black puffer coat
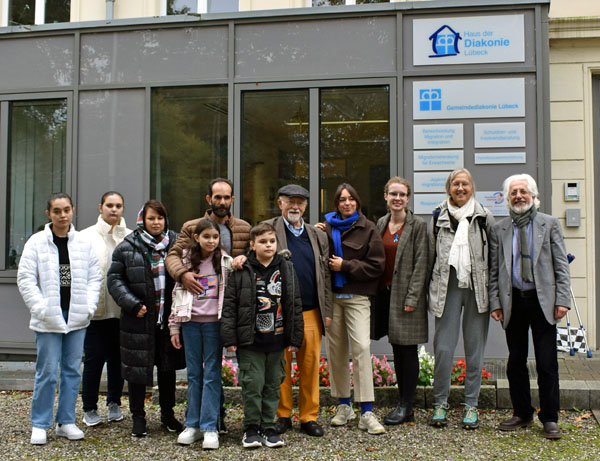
142 287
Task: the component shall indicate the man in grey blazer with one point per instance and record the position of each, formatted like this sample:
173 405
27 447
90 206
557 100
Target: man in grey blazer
529 288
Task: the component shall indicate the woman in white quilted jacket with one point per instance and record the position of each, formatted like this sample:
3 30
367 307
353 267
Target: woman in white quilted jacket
59 279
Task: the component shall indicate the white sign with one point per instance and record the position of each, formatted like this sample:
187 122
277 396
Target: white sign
466 40
487 158
500 134
425 203
430 182
476 98
493 201
438 160
437 136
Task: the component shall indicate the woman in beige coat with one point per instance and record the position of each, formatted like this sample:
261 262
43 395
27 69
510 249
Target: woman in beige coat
399 309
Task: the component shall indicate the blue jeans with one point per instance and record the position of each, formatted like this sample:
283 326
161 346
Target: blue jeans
202 342
54 349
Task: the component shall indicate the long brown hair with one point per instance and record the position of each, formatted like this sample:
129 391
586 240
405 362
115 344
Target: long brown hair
338 192
196 250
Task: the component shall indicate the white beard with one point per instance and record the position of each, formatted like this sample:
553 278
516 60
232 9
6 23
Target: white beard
293 218
520 209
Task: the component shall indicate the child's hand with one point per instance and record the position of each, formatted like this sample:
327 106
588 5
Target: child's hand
327 321
292 348
232 348
175 341
238 262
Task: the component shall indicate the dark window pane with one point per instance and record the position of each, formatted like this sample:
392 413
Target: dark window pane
57 11
360 2
328 2
21 12
36 168
223 6
182 6
274 149
355 145
189 148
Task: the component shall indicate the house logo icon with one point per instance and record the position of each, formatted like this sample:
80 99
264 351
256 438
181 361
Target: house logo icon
444 42
430 99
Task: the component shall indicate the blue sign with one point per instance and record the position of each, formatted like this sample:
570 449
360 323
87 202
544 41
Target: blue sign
444 42
430 99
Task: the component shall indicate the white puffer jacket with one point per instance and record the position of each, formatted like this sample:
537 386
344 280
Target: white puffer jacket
104 243
38 280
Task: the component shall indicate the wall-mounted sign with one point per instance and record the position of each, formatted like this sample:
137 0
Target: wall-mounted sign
438 160
425 203
468 40
489 158
437 136
475 98
493 201
430 182
499 134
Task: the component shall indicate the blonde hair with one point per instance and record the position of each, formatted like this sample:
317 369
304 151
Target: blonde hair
397 180
454 174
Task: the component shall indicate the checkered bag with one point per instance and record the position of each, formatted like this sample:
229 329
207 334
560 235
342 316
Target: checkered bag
577 340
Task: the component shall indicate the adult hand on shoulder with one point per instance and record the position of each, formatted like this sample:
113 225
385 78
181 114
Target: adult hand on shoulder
560 312
232 348
238 262
498 315
189 282
409 309
320 226
141 312
327 322
175 341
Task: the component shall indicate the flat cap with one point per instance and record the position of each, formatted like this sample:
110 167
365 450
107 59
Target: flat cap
293 190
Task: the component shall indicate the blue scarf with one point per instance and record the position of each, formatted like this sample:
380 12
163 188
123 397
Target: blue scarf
338 226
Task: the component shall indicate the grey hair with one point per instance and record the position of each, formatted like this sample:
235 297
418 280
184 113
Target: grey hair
454 174
531 186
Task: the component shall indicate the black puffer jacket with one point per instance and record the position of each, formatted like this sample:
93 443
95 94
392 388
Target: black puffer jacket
239 307
131 284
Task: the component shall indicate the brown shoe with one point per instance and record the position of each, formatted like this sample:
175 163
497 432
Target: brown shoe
514 423
551 430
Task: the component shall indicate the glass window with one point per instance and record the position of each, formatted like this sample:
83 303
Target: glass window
36 168
182 6
355 145
189 147
274 149
57 11
21 12
223 6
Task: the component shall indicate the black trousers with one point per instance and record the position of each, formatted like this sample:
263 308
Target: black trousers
166 395
406 364
527 313
101 346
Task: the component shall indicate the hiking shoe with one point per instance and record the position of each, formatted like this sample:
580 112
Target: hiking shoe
282 425
271 438
211 440
189 436
252 438
38 436
139 427
170 423
114 412
343 414
368 422
70 431
470 418
440 412
92 418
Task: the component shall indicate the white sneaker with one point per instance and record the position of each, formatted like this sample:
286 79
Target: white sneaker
211 440
38 436
189 436
343 414
368 422
70 431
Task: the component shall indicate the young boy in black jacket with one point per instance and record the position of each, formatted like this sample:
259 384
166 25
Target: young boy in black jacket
262 315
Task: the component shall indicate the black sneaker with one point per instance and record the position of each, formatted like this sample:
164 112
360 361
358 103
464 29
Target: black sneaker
222 428
271 438
252 438
282 425
170 423
139 427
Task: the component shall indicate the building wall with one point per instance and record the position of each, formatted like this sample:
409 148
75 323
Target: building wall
574 33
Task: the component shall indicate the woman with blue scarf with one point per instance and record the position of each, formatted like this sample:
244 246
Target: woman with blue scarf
357 261
140 285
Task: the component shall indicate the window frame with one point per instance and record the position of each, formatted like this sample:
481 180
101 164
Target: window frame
5 101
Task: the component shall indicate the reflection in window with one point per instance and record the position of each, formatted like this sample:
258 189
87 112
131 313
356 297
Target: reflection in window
274 149
355 145
223 6
328 2
182 6
189 147
57 11
21 12
36 168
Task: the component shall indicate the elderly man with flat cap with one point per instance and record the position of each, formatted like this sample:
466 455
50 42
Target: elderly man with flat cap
310 254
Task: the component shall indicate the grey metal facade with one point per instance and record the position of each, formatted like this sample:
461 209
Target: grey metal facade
107 70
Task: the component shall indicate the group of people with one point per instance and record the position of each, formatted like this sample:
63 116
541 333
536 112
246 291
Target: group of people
151 297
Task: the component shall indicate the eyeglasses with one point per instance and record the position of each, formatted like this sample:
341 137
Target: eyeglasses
298 203
397 194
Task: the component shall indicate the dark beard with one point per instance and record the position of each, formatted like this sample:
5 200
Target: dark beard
220 211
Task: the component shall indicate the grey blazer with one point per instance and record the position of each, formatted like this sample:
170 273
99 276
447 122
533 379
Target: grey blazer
550 266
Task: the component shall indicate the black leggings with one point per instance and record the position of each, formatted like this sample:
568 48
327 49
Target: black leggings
406 361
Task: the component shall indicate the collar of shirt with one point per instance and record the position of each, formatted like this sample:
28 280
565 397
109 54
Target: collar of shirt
292 229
